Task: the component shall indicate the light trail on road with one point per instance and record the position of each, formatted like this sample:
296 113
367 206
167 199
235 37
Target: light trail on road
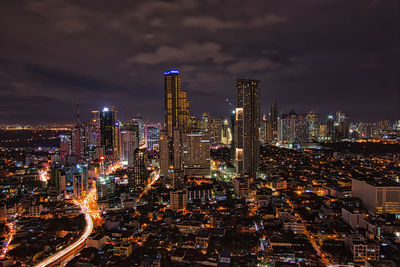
11 233
60 254
156 176
85 206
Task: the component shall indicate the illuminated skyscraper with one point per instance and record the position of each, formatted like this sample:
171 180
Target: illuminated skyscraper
110 132
177 117
313 126
140 173
264 126
213 126
65 145
214 130
287 128
139 125
226 133
152 132
342 123
93 147
80 180
128 146
78 141
301 129
95 128
247 124
57 178
330 128
176 157
323 132
204 121
176 103
274 122
164 153
105 188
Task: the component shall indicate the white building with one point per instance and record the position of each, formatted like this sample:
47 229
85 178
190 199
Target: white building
128 146
152 132
379 195
354 217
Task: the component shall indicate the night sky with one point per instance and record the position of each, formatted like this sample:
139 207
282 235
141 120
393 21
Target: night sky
309 54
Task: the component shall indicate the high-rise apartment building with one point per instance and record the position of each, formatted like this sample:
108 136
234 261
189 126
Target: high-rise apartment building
330 128
139 126
152 132
105 188
80 180
214 130
65 145
322 132
95 128
301 129
247 124
93 147
128 146
196 153
274 122
78 141
57 178
226 133
203 124
241 186
313 127
140 172
164 153
287 127
110 132
264 125
341 126
178 199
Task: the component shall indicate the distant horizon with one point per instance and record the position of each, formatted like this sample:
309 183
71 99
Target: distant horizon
321 118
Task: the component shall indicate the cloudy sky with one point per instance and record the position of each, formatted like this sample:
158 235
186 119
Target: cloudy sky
324 55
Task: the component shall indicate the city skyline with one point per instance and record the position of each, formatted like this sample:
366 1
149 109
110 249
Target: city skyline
57 54
199 133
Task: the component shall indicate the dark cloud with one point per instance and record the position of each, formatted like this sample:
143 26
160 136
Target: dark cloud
323 55
189 52
215 24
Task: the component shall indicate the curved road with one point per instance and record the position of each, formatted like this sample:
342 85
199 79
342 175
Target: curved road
89 226
58 255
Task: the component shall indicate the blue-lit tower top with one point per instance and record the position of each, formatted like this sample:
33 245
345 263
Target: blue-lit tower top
171 72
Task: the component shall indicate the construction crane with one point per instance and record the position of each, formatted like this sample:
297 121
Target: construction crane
227 100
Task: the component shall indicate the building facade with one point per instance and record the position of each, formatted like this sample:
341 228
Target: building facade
196 153
378 195
247 124
128 146
110 132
